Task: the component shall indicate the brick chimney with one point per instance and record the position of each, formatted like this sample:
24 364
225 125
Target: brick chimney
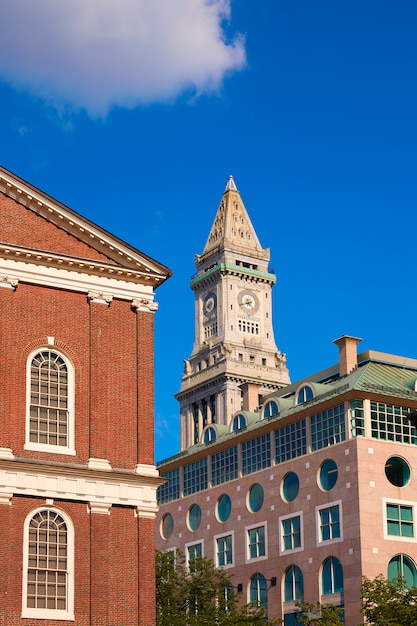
348 357
250 396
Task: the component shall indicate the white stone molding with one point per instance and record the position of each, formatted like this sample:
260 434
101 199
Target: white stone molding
102 465
146 470
7 282
6 497
101 508
6 453
95 487
144 305
99 297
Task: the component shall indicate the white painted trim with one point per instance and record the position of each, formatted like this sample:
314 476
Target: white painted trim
193 543
48 613
280 533
106 488
413 505
220 536
257 558
73 280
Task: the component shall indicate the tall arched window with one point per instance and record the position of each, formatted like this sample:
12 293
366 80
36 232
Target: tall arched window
50 400
293 584
402 565
48 570
258 592
332 576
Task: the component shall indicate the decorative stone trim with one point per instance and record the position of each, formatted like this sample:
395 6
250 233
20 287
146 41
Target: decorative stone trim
146 470
7 454
6 498
102 508
102 465
8 283
144 305
99 297
144 514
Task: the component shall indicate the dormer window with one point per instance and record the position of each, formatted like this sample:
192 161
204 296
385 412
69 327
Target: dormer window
210 434
305 394
239 421
270 408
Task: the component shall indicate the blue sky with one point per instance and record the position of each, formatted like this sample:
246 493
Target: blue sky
135 113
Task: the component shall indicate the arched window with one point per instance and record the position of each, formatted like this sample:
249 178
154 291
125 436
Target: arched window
210 434
293 584
48 569
304 395
50 401
402 565
258 592
270 408
239 421
332 576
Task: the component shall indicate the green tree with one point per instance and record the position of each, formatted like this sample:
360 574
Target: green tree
319 615
388 602
200 595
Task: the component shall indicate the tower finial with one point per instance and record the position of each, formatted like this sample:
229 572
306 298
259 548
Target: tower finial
231 185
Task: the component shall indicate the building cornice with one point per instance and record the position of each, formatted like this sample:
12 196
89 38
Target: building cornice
234 270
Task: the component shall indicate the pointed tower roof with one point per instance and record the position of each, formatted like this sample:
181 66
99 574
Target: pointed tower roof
232 228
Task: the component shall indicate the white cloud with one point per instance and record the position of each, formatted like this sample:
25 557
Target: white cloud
100 53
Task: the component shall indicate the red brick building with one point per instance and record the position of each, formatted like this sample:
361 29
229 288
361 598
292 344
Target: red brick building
77 476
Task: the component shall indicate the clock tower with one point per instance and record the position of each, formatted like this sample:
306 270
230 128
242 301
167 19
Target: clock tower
234 358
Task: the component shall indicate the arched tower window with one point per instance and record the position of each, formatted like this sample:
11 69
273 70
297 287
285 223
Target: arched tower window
50 402
48 571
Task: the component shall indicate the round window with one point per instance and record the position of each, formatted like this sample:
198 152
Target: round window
194 517
397 471
255 498
167 526
224 507
290 487
328 475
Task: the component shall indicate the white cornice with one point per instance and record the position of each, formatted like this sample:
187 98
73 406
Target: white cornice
71 222
99 489
16 271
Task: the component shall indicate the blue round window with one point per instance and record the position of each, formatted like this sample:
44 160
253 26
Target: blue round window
194 517
167 526
255 498
328 475
290 487
397 471
224 508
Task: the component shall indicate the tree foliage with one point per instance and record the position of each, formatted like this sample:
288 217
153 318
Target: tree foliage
388 602
319 615
201 595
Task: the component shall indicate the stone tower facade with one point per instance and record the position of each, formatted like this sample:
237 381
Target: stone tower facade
234 359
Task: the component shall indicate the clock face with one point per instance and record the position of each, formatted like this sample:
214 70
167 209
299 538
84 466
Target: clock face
248 301
209 305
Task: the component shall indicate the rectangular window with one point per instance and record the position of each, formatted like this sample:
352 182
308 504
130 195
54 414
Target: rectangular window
291 533
171 489
194 551
391 423
224 466
256 542
246 326
329 523
357 418
290 441
256 454
328 428
195 477
400 521
224 550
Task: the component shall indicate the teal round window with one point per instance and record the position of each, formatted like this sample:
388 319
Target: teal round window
397 471
328 475
194 517
290 487
255 498
167 526
224 508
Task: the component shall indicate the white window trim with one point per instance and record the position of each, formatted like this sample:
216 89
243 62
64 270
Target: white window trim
396 538
326 542
257 558
189 545
42 447
215 538
50 614
281 519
